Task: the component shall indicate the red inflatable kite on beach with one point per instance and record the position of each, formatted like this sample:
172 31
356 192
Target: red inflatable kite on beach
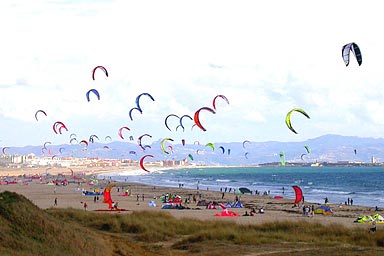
299 194
107 196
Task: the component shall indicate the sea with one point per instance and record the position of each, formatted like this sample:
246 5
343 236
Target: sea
364 185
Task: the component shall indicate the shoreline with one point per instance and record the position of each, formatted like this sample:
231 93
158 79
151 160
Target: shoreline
43 195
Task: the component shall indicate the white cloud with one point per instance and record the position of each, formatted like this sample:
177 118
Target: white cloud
265 57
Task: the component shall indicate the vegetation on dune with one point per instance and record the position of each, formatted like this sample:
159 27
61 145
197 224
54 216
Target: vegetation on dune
28 230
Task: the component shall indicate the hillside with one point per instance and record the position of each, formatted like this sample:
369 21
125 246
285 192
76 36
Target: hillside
327 148
27 230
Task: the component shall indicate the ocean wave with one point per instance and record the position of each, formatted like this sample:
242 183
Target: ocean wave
222 180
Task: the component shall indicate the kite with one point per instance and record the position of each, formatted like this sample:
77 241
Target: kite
282 158
121 131
107 195
39 111
84 142
46 143
95 92
211 145
246 141
138 99
142 162
130 112
91 138
298 193
57 126
166 119
196 116
139 141
177 127
99 67
5 148
288 118
218 96
163 144
346 50
181 120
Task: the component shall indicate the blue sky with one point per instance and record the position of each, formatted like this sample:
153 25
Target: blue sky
266 57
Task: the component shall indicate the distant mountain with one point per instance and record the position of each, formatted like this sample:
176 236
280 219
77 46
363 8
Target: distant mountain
327 148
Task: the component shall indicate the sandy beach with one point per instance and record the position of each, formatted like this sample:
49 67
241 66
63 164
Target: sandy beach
43 193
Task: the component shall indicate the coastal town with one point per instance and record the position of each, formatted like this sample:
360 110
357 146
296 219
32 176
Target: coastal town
33 161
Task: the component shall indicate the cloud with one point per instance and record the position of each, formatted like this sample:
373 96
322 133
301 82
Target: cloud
265 60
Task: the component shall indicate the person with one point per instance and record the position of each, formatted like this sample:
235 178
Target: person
351 200
55 204
246 213
373 228
222 195
326 201
137 197
85 206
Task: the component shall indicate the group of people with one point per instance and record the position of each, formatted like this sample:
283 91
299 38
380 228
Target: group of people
253 212
308 210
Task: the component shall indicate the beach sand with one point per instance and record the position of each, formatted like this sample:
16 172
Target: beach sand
70 196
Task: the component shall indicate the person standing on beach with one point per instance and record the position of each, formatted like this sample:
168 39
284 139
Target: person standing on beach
351 200
85 206
55 203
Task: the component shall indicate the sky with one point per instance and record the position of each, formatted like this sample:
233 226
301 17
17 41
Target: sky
265 57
